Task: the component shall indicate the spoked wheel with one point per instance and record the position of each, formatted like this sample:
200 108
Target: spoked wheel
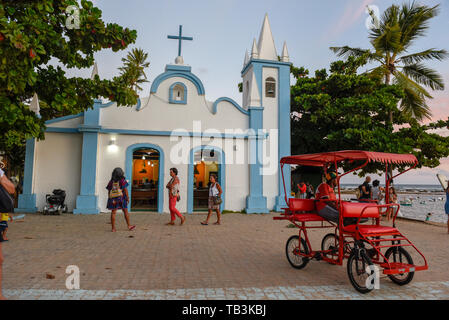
400 255
293 252
358 272
330 243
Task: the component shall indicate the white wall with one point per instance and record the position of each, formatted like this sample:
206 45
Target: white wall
58 166
160 115
237 178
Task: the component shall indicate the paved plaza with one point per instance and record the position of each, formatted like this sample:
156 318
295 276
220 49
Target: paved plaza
244 258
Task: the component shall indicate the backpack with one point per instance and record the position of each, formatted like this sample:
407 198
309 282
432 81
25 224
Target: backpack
6 201
116 191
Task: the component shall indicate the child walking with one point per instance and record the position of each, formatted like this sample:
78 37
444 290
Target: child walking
118 197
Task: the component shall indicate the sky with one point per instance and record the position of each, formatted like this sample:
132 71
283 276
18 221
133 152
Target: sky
223 30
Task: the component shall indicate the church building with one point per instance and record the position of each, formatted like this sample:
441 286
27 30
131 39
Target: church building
176 126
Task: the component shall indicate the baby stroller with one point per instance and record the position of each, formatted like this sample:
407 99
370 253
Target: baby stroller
55 202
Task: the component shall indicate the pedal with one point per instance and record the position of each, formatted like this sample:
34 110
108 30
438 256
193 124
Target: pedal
318 256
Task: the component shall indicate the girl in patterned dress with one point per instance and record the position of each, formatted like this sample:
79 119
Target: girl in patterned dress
118 197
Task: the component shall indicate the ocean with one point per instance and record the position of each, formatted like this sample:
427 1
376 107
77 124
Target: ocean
420 201
430 188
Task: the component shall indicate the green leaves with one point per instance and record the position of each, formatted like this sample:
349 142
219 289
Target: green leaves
34 36
353 113
399 28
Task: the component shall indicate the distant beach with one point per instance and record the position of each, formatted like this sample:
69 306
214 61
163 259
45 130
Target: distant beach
417 200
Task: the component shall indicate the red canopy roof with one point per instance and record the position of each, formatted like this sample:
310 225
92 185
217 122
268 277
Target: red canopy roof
319 159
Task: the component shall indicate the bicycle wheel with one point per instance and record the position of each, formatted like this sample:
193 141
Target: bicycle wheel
361 278
293 253
330 242
400 255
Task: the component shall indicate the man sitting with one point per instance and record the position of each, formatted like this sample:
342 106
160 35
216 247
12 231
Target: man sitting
327 201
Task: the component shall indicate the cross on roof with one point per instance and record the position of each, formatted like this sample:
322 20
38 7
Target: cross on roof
180 38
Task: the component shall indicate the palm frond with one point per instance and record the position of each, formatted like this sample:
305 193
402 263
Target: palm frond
429 54
346 52
389 41
424 75
414 105
414 21
414 102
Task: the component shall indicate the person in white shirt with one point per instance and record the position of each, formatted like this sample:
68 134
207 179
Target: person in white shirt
214 200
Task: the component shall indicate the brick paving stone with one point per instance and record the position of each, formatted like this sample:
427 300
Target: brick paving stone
244 257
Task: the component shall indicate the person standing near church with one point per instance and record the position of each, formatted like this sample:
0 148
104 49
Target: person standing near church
214 201
173 196
9 187
118 197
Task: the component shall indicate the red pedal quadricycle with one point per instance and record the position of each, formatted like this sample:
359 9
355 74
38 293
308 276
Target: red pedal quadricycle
365 242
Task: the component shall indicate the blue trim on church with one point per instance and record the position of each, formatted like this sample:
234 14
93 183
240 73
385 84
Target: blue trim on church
27 200
129 172
172 71
256 202
87 200
235 104
284 137
170 96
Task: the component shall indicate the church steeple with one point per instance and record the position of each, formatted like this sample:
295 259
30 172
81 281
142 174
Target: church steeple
266 47
284 56
245 62
254 50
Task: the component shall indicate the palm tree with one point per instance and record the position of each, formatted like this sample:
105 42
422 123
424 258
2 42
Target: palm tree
391 38
133 69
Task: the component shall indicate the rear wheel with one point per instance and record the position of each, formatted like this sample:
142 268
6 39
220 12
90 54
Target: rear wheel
330 244
293 252
400 255
361 277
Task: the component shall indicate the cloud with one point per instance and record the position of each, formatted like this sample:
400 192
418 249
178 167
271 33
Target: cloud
351 15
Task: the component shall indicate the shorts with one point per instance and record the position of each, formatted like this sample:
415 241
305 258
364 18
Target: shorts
211 204
3 225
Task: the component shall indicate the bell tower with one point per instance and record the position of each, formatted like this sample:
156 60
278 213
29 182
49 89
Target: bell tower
266 96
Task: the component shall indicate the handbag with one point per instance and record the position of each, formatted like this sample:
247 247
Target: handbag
217 200
6 201
178 197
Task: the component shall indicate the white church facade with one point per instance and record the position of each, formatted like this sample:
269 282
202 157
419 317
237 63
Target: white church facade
176 126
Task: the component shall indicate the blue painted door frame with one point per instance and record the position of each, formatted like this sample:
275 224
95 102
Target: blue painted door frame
221 180
129 172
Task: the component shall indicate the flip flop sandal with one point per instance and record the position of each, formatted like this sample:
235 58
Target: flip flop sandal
132 228
204 224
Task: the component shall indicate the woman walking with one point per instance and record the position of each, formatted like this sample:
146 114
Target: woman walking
173 196
118 197
446 207
214 200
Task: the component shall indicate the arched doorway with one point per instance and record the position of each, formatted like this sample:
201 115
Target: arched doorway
204 161
144 169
